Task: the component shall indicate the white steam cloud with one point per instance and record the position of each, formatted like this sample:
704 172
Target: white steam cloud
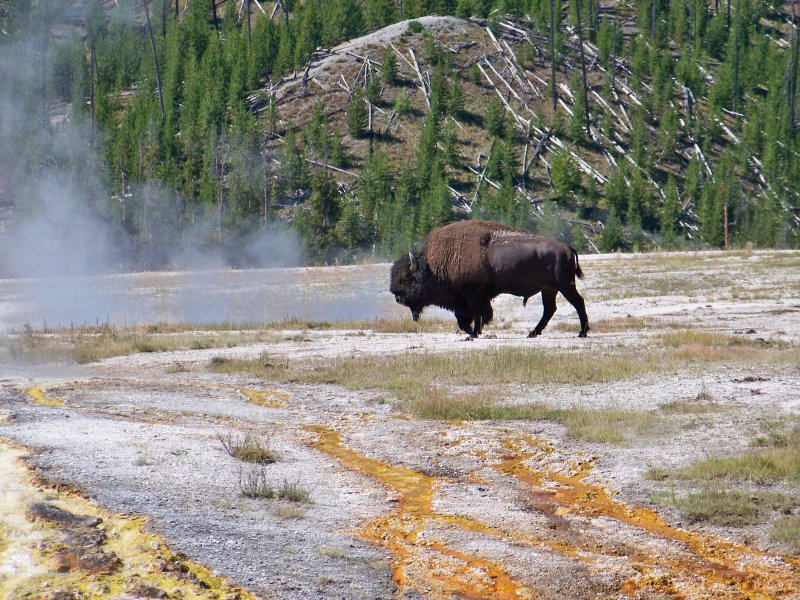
65 261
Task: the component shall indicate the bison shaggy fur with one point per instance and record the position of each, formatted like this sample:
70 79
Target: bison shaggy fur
464 265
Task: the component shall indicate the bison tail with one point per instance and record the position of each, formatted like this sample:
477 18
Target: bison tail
578 270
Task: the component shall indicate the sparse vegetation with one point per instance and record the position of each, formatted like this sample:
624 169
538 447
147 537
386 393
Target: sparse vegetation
294 492
330 552
92 343
617 325
403 374
656 474
250 447
786 530
721 506
724 501
779 460
290 512
599 425
254 483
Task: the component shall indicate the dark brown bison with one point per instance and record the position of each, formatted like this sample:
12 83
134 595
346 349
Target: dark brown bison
464 265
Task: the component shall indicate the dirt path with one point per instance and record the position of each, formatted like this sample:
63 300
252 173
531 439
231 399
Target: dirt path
403 505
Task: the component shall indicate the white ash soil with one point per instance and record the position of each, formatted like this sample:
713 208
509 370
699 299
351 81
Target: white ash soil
139 435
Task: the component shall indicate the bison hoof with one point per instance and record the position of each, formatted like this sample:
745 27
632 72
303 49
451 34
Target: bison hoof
534 334
582 334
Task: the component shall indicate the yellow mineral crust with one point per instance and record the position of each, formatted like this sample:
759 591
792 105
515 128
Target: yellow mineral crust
37 558
695 565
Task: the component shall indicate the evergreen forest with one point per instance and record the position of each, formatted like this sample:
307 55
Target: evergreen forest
628 125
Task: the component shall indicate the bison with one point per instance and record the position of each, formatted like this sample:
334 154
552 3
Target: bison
464 265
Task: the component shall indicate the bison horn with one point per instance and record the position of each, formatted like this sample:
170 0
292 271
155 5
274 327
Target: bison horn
413 260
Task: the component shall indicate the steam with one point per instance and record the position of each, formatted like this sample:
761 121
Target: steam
65 259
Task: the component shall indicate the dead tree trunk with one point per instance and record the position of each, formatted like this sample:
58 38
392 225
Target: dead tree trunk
614 57
553 53
793 75
92 70
583 68
249 28
214 16
155 61
653 19
282 4
735 56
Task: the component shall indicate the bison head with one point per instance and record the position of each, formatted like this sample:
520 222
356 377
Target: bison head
409 283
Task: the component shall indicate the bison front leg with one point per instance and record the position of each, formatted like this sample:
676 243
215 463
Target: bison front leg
574 298
482 314
465 323
549 309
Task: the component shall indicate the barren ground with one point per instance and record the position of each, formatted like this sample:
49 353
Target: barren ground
401 505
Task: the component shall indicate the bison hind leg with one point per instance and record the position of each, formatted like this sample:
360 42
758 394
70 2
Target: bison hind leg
574 298
548 310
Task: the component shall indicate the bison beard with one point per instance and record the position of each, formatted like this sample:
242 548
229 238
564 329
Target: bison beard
464 265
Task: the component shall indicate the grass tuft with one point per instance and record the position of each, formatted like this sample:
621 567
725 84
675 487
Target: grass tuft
729 507
249 448
294 492
253 483
656 474
290 512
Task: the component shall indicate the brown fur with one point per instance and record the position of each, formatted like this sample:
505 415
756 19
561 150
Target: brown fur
464 265
457 252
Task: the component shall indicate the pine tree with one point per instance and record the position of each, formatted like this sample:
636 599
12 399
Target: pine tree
317 220
616 200
379 13
343 20
427 150
456 98
450 144
434 207
316 131
565 175
402 103
357 116
613 235
669 211
294 168
495 117
373 89
576 127
389 67
350 230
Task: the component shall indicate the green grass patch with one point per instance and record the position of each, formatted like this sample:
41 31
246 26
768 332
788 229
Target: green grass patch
689 407
408 373
609 426
88 344
618 325
786 530
483 367
778 460
729 507
92 343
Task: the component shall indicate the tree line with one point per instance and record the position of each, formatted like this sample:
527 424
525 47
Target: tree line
160 123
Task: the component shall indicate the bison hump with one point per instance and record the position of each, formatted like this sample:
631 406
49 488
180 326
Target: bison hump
458 253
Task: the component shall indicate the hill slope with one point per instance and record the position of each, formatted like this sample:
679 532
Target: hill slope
683 134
